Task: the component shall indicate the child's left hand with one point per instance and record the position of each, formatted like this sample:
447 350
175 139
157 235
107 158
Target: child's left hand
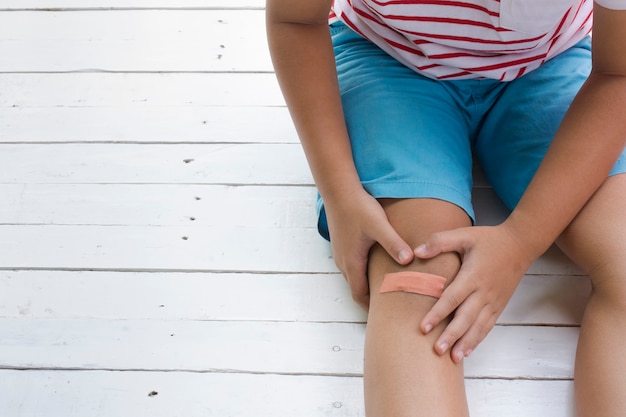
493 262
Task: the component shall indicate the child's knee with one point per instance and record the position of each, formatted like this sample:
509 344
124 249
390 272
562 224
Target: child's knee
434 272
406 293
610 290
414 282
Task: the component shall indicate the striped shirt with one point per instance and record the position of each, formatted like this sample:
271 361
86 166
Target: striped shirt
469 39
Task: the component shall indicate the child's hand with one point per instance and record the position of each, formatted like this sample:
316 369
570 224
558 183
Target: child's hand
493 263
356 223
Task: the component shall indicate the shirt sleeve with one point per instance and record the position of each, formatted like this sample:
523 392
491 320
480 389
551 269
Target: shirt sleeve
612 4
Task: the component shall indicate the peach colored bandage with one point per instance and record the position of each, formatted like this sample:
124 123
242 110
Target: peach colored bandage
415 282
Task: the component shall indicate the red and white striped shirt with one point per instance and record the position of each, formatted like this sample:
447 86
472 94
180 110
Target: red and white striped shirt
461 39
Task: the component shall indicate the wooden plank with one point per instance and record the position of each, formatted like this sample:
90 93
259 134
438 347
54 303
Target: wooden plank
149 40
129 163
186 248
157 205
148 124
46 5
257 347
176 394
162 248
76 90
90 107
556 300
223 297
179 394
517 398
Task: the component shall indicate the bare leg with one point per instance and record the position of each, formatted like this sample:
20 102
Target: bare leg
403 375
596 241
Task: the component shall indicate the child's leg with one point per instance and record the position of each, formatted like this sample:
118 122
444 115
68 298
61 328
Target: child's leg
403 375
596 240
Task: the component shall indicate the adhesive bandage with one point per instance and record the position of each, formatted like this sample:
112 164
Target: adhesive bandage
414 282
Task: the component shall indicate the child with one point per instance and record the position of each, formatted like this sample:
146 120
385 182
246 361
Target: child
392 103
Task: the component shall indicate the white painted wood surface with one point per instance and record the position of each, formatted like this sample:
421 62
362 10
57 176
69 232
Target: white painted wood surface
153 40
158 252
182 394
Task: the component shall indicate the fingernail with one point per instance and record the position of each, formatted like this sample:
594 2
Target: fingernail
443 347
459 356
428 328
469 352
404 255
421 249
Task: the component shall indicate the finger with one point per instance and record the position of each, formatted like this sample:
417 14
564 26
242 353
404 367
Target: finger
360 294
449 241
475 335
393 244
356 275
450 300
359 291
464 318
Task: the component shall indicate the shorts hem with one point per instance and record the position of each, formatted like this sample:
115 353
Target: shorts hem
404 190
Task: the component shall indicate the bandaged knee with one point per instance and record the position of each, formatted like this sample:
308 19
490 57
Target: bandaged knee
413 282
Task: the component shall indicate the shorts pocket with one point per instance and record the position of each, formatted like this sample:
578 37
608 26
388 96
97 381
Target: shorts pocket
533 17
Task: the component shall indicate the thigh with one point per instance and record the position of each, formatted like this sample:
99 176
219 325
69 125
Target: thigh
521 124
409 138
596 238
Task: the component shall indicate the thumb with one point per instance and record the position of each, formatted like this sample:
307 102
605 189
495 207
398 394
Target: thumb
395 246
448 241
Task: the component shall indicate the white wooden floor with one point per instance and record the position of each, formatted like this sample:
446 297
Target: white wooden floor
158 255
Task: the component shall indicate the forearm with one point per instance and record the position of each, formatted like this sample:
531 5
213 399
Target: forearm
304 62
590 139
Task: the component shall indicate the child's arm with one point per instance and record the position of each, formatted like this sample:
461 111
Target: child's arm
587 144
303 58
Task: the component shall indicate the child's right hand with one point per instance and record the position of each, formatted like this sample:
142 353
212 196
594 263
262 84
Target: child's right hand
356 223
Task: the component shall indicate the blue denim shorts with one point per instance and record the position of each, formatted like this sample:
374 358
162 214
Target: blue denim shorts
415 137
